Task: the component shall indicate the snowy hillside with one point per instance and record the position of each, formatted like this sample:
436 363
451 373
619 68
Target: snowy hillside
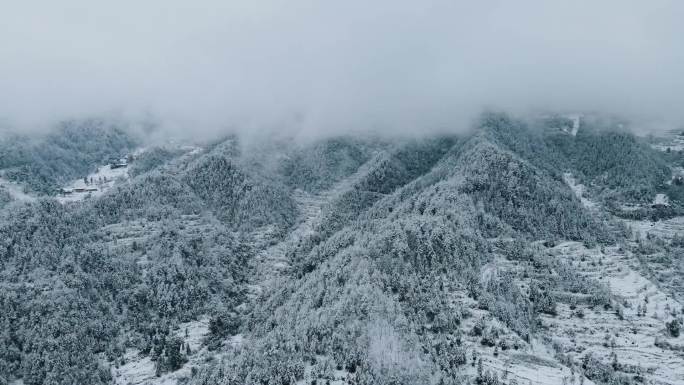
513 254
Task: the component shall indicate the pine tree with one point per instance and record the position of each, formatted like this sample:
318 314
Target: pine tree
480 370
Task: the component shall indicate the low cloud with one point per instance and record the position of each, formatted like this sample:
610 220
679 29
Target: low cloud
312 67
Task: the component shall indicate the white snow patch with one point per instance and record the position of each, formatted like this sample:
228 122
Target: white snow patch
16 191
141 370
236 341
673 144
530 369
98 182
137 370
579 190
575 123
194 332
192 150
661 199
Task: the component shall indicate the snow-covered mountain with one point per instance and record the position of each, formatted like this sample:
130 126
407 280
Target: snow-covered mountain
511 254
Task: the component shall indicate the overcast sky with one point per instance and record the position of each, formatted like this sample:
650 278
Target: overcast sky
331 66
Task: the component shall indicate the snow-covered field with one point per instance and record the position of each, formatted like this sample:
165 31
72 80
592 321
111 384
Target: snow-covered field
630 336
666 228
531 363
639 342
100 181
636 338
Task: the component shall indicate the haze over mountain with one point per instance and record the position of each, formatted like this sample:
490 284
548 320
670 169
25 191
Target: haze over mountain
305 66
390 193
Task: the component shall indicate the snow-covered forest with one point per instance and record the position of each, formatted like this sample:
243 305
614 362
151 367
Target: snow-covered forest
349 192
452 259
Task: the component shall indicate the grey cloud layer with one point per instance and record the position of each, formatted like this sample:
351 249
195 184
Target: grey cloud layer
320 66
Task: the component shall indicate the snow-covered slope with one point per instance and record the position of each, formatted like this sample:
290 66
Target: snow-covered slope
273 259
629 335
141 370
579 190
94 184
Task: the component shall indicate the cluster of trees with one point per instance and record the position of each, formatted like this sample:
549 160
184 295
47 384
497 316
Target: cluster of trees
69 296
396 167
151 159
169 354
613 162
242 201
522 196
607 372
673 327
620 162
317 166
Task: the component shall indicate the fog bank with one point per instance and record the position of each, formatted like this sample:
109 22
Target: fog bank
312 67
